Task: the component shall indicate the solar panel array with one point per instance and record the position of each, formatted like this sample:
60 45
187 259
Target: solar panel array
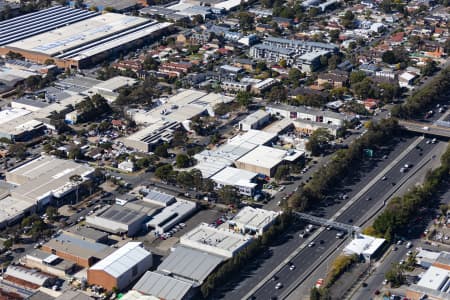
41 21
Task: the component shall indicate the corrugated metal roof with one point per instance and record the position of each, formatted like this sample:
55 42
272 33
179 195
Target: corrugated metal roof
162 286
189 263
28 275
123 259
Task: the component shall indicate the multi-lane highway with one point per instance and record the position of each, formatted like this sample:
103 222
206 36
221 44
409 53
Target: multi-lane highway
369 200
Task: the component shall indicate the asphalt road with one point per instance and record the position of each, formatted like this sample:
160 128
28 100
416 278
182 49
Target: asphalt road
252 278
354 213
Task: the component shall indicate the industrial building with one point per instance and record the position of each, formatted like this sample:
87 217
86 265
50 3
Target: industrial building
82 252
109 89
254 121
365 246
254 221
163 287
242 180
87 234
28 278
298 53
117 220
46 179
435 281
211 162
312 114
265 160
121 268
48 263
13 210
172 215
162 121
76 38
189 265
159 198
120 6
218 241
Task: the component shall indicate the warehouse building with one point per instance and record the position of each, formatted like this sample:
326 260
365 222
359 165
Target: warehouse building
164 287
189 265
254 121
218 241
121 268
82 252
162 121
85 42
242 180
46 179
172 215
12 210
118 220
41 21
120 6
265 160
211 162
159 198
365 246
48 263
28 278
254 221
109 89
312 114
87 234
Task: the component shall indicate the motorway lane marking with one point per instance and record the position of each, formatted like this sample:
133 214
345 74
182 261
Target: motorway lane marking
340 211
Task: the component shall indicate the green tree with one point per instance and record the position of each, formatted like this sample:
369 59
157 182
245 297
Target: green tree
357 76
246 21
52 212
429 69
244 98
183 161
19 150
317 140
395 276
161 150
229 195
164 172
8 244
281 173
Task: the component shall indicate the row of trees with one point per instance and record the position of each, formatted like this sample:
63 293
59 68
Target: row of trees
343 164
339 266
398 215
233 267
424 97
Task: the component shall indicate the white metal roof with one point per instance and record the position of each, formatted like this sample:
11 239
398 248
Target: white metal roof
235 177
162 286
263 156
123 259
434 278
364 245
254 218
67 37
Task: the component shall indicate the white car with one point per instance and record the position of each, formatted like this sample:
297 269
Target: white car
292 268
279 285
383 178
310 245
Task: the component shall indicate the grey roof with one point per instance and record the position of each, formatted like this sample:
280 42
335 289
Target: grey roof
190 264
73 295
29 101
28 275
156 196
161 286
86 232
274 49
121 214
299 43
116 4
79 247
312 111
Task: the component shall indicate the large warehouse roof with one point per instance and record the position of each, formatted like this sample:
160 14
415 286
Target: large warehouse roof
41 21
189 264
45 175
161 286
68 37
123 259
